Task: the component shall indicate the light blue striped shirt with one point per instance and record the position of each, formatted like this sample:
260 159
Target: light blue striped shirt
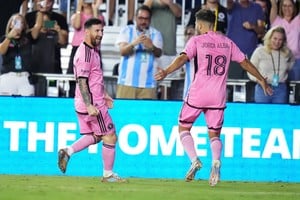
138 69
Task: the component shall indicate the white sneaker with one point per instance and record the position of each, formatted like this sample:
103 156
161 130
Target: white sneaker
215 173
195 166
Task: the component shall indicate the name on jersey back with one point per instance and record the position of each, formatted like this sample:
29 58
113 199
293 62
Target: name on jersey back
214 45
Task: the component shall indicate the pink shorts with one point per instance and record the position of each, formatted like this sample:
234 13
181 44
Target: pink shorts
99 125
214 117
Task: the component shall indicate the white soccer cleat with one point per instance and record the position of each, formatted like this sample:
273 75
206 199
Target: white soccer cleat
215 173
113 178
195 166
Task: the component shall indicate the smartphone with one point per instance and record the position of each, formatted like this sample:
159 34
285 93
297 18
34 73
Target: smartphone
88 1
18 24
49 24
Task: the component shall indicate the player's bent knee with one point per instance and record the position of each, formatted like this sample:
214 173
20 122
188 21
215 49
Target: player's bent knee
110 138
97 138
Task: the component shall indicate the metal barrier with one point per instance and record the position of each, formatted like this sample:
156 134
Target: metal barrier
59 84
238 90
294 97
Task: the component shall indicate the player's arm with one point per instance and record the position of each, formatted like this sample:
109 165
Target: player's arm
108 100
177 63
83 87
249 67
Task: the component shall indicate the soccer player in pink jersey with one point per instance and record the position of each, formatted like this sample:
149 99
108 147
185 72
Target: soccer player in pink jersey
92 103
207 93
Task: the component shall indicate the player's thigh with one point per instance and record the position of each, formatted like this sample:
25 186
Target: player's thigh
99 125
188 115
214 119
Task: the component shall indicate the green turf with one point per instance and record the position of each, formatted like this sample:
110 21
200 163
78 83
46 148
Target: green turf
90 188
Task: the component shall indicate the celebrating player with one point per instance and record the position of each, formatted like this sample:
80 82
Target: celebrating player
207 92
92 103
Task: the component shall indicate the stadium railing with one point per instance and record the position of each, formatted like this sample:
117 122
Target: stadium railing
237 90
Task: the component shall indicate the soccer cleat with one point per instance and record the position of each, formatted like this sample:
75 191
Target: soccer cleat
63 159
195 166
113 178
215 173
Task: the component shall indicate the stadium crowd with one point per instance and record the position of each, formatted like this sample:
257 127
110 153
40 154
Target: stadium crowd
246 22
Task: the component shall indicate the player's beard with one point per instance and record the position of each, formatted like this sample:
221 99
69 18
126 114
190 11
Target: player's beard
96 41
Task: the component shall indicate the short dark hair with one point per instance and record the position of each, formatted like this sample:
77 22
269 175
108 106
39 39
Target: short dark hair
143 7
92 21
206 15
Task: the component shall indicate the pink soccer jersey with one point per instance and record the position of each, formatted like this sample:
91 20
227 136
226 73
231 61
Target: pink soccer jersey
87 64
214 52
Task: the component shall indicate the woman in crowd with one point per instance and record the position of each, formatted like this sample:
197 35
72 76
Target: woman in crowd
273 60
289 18
16 50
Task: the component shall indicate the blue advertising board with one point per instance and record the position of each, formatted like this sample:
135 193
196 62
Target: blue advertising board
261 142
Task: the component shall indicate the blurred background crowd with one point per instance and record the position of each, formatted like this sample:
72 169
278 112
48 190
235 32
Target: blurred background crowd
40 37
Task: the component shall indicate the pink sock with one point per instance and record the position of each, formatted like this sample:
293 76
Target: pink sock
188 144
216 148
83 143
108 155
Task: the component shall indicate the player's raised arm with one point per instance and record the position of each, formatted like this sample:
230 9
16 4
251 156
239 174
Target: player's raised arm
177 63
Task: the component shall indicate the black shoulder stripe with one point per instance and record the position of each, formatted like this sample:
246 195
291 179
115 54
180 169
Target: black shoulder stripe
88 54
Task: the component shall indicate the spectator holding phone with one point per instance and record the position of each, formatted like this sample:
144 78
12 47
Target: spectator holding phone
53 36
86 9
15 47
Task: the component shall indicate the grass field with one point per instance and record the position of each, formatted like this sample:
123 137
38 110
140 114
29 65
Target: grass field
90 188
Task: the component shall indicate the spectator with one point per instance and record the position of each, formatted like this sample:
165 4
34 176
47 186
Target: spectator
130 11
7 9
164 15
15 47
246 23
53 36
289 18
84 12
219 10
140 46
266 7
273 60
